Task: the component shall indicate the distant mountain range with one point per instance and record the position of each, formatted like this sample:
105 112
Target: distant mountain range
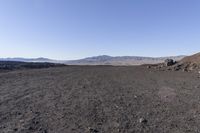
101 60
121 60
28 59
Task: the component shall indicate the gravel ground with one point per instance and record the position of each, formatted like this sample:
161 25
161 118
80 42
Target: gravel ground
99 99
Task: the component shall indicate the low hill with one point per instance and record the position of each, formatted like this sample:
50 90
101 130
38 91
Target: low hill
121 60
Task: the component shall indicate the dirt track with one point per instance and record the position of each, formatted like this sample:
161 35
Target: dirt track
100 99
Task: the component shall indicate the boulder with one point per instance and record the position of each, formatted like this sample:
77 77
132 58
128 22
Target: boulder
169 62
143 120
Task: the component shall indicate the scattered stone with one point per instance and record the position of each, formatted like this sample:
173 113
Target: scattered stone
21 121
92 130
184 70
196 86
169 69
18 113
191 68
177 67
15 129
169 62
45 131
116 106
148 67
143 120
30 128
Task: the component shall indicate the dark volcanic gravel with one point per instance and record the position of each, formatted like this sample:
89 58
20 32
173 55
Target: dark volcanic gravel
99 99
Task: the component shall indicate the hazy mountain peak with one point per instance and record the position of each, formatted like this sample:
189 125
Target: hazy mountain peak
99 58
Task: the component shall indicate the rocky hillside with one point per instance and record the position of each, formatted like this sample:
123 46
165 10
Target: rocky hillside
189 63
194 59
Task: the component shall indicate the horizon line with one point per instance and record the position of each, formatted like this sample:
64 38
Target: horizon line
90 57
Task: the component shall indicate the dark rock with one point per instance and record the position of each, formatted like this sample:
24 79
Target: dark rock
184 69
30 128
15 129
169 62
45 131
143 120
169 69
92 130
177 67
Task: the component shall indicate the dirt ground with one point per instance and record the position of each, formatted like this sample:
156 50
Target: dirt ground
99 99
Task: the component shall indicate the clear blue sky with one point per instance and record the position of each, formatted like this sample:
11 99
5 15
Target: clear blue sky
71 29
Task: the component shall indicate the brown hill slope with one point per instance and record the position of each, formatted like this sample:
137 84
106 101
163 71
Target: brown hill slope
189 63
194 59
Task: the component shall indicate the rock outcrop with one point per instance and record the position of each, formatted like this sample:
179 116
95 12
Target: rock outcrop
169 62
